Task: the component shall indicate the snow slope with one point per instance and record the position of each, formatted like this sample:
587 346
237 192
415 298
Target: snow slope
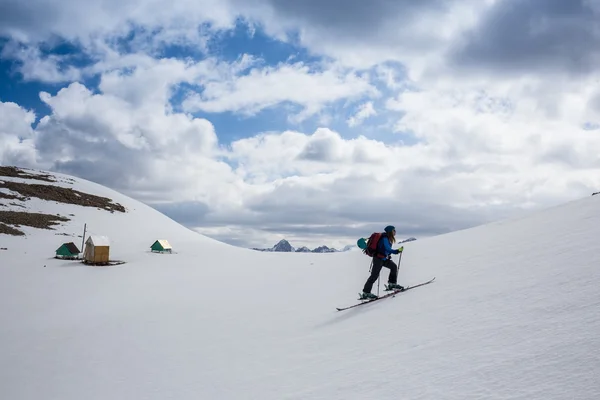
513 314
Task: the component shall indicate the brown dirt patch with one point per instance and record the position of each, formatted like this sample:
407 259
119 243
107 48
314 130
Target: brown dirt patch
15 172
62 195
35 220
10 196
7 230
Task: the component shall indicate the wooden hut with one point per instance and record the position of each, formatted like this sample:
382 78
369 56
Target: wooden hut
96 250
67 251
161 246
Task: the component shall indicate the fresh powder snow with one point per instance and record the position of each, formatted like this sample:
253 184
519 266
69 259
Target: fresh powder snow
514 313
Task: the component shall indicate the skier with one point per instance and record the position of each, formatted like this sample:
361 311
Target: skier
383 259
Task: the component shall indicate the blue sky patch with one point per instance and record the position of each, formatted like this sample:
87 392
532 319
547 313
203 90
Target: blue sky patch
26 94
227 46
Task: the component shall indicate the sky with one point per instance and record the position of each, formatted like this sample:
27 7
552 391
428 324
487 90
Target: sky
316 121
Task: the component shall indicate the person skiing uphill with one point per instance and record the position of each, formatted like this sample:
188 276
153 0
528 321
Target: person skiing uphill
383 259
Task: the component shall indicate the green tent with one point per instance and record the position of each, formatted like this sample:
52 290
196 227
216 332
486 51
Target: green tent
67 250
161 246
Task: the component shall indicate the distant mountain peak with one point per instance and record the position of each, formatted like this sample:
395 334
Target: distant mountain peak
285 247
324 249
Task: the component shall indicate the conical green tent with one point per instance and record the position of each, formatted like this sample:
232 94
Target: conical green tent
161 246
67 250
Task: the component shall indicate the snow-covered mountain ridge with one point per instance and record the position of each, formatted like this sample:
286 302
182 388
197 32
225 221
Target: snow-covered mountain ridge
283 246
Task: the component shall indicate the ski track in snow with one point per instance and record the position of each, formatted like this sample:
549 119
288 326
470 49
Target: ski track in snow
514 313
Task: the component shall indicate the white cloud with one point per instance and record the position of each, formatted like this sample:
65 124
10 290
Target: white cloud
276 156
366 35
50 68
17 145
84 21
504 145
365 111
268 86
150 150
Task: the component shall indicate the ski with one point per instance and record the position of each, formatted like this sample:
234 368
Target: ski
392 294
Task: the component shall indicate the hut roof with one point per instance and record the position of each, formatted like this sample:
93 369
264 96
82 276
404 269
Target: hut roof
71 247
98 240
164 243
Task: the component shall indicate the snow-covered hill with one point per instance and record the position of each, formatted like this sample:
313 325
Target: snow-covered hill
513 313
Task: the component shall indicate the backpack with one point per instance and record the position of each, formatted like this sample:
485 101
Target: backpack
371 249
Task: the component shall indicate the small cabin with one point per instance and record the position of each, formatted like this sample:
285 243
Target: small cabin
161 246
68 251
96 250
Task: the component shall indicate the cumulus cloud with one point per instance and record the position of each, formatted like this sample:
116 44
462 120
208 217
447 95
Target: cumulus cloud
49 68
516 36
509 152
39 20
16 136
269 86
275 156
368 34
365 111
100 136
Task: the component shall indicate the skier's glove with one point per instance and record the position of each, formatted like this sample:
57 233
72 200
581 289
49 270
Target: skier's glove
400 249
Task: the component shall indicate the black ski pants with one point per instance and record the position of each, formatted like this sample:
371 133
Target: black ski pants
378 263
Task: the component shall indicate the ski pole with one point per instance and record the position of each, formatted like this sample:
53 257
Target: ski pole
400 259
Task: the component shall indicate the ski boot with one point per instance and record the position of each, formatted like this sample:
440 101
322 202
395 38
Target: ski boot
366 296
393 286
